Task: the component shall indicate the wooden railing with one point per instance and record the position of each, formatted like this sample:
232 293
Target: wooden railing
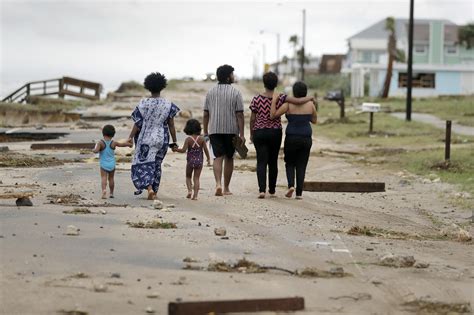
61 87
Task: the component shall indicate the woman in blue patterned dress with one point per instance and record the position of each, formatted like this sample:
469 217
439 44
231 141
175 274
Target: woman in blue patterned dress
154 122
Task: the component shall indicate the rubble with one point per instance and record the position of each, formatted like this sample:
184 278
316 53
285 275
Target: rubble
155 224
72 230
220 231
24 202
397 261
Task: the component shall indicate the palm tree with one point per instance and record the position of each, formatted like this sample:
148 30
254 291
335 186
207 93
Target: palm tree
394 54
466 35
294 41
391 51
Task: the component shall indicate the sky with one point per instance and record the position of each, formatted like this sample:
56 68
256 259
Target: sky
115 41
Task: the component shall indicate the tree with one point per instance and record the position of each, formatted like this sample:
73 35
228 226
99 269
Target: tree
394 54
466 35
294 41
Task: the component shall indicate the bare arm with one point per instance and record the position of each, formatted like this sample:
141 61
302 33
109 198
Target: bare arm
206 150
172 129
253 117
314 117
184 148
115 144
274 113
205 122
98 147
240 123
134 131
299 100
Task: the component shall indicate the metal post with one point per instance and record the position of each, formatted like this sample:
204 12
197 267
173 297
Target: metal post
447 150
302 45
410 61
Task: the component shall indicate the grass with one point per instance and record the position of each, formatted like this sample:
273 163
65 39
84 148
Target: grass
455 108
46 105
397 144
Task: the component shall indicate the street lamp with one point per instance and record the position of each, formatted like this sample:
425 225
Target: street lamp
263 52
277 48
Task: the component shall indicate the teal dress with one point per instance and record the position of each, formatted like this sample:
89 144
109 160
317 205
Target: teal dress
107 157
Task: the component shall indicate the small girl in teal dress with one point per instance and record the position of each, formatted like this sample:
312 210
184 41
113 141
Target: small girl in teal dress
106 149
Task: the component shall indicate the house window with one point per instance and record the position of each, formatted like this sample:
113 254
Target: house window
419 80
451 50
420 49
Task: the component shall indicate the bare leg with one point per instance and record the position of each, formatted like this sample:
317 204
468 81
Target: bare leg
189 174
103 181
197 174
151 193
111 176
228 170
217 167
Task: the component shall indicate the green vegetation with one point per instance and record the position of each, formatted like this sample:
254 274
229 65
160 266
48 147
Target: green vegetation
322 83
456 108
45 104
397 144
130 86
154 224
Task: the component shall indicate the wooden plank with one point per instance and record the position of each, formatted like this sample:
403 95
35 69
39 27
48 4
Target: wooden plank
62 146
344 186
16 195
233 306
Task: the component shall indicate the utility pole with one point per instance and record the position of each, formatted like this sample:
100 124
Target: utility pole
302 45
410 61
278 54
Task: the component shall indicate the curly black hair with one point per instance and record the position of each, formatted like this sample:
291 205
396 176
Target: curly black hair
155 82
270 80
108 131
193 127
300 89
223 73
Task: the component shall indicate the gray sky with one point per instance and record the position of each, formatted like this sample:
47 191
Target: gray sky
115 41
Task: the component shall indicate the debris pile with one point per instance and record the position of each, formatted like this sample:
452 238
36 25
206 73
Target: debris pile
155 224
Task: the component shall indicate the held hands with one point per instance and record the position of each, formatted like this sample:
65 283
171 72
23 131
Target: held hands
208 162
130 142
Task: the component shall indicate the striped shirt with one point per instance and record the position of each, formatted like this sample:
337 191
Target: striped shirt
222 102
261 107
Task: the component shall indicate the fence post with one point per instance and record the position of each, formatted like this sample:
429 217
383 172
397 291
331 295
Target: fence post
371 124
342 105
447 150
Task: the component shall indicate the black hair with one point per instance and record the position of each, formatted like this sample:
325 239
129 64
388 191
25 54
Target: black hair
300 89
270 80
223 74
108 131
155 82
193 127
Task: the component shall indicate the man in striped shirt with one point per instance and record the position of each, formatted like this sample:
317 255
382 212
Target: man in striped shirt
223 120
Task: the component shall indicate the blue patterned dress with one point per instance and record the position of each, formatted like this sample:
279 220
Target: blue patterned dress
151 142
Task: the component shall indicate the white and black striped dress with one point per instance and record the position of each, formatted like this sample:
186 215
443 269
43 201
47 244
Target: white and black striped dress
222 102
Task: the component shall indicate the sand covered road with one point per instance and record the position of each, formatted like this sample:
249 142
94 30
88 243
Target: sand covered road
112 268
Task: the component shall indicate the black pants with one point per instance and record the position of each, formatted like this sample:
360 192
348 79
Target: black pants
267 144
297 150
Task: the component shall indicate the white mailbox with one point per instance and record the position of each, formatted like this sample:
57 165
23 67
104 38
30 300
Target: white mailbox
370 107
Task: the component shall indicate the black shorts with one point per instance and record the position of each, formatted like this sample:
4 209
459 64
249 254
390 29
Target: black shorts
222 145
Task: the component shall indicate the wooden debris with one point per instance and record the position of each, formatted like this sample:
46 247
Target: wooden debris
344 186
231 306
16 195
62 146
